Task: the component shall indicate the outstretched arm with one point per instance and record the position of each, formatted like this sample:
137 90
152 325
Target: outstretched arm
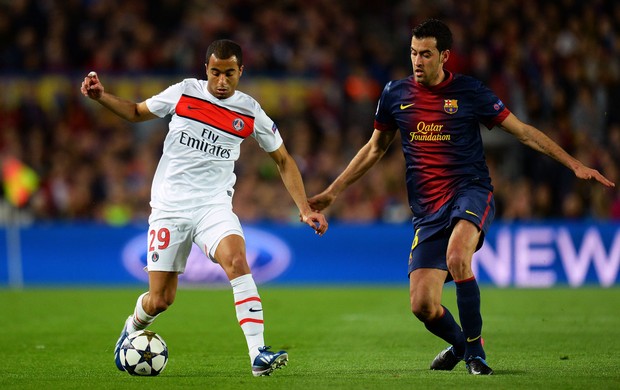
131 111
537 140
365 159
294 184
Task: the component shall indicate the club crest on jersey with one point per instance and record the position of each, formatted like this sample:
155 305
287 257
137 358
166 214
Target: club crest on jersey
450 106
155 257
238 124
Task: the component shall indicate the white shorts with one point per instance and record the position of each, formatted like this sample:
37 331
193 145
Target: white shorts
171 234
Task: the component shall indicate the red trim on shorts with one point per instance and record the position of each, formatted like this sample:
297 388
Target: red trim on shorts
486 211
250 299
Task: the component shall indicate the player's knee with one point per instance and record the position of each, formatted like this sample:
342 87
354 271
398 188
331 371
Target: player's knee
235 266
425 311
457 264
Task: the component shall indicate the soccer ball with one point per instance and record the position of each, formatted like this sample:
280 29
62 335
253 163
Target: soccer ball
144 353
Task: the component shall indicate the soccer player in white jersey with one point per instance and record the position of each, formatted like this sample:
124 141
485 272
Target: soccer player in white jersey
191 194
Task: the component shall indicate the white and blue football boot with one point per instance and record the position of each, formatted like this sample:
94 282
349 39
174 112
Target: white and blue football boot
268 361
119 343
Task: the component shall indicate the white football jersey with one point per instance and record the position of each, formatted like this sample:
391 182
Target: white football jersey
203 142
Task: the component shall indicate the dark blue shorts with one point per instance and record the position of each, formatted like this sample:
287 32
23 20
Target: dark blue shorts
432 232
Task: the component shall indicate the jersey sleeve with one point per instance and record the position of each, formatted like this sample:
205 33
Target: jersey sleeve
490 110
164 103
266 132
384 121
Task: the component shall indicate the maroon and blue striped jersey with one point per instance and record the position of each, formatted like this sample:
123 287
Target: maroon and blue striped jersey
440 135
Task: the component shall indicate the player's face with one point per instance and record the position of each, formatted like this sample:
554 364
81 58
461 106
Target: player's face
223 76
427 61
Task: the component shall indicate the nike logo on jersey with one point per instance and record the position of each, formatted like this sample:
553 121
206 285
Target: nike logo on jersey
193 108
472 339
253 310
406 106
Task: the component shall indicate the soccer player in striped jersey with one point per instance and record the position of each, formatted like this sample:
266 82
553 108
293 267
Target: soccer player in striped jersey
191 194
449 188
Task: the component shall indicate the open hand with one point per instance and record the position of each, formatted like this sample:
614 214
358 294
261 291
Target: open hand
586 173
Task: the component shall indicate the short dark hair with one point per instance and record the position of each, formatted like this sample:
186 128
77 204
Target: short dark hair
434 28
223 49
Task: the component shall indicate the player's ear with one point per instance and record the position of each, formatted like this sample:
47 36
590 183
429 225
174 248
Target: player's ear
444 56
240 70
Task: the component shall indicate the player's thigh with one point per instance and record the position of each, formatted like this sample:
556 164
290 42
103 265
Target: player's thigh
169 242
230 254
428 250
219 234
476 205
427 271
461 247
463 240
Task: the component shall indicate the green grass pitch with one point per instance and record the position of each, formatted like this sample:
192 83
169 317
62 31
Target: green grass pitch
337 338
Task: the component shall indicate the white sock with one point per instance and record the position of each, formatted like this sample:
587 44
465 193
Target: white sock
249 312
140 319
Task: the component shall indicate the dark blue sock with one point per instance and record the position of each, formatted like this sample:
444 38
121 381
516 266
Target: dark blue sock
468 302
446 328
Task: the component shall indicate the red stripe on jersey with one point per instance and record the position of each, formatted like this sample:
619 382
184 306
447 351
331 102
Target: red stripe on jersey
221 118
243 321
383 127
498 119
250 299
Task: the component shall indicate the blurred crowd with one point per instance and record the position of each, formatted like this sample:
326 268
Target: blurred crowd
319 67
